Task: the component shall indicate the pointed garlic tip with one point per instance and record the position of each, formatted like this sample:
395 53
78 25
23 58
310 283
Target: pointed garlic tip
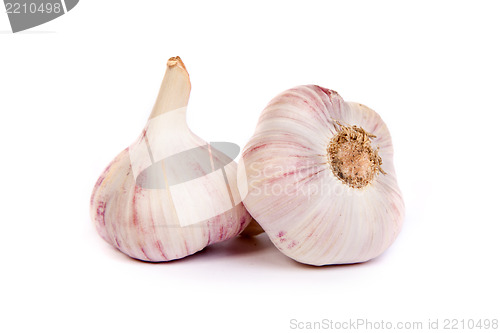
175 88
318 176
169 194
176 61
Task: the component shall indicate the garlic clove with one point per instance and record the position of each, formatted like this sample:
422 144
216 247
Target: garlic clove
170 194
318 176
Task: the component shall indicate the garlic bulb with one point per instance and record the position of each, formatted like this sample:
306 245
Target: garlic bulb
170 194
318 176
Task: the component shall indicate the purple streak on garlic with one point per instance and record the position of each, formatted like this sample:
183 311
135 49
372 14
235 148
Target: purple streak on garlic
318 176
169 194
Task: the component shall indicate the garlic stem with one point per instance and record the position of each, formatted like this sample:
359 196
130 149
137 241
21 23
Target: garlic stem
175 88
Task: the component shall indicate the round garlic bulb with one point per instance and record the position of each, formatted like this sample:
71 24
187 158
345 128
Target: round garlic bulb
318 176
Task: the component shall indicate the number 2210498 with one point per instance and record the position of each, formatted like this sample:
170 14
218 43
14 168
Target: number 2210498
456 324
32 8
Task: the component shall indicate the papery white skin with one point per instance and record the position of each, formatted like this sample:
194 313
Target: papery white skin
288 187
143 222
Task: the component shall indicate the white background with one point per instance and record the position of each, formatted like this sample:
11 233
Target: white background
76 91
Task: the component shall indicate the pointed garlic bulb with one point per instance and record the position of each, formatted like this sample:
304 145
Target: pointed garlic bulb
318 176
170 194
